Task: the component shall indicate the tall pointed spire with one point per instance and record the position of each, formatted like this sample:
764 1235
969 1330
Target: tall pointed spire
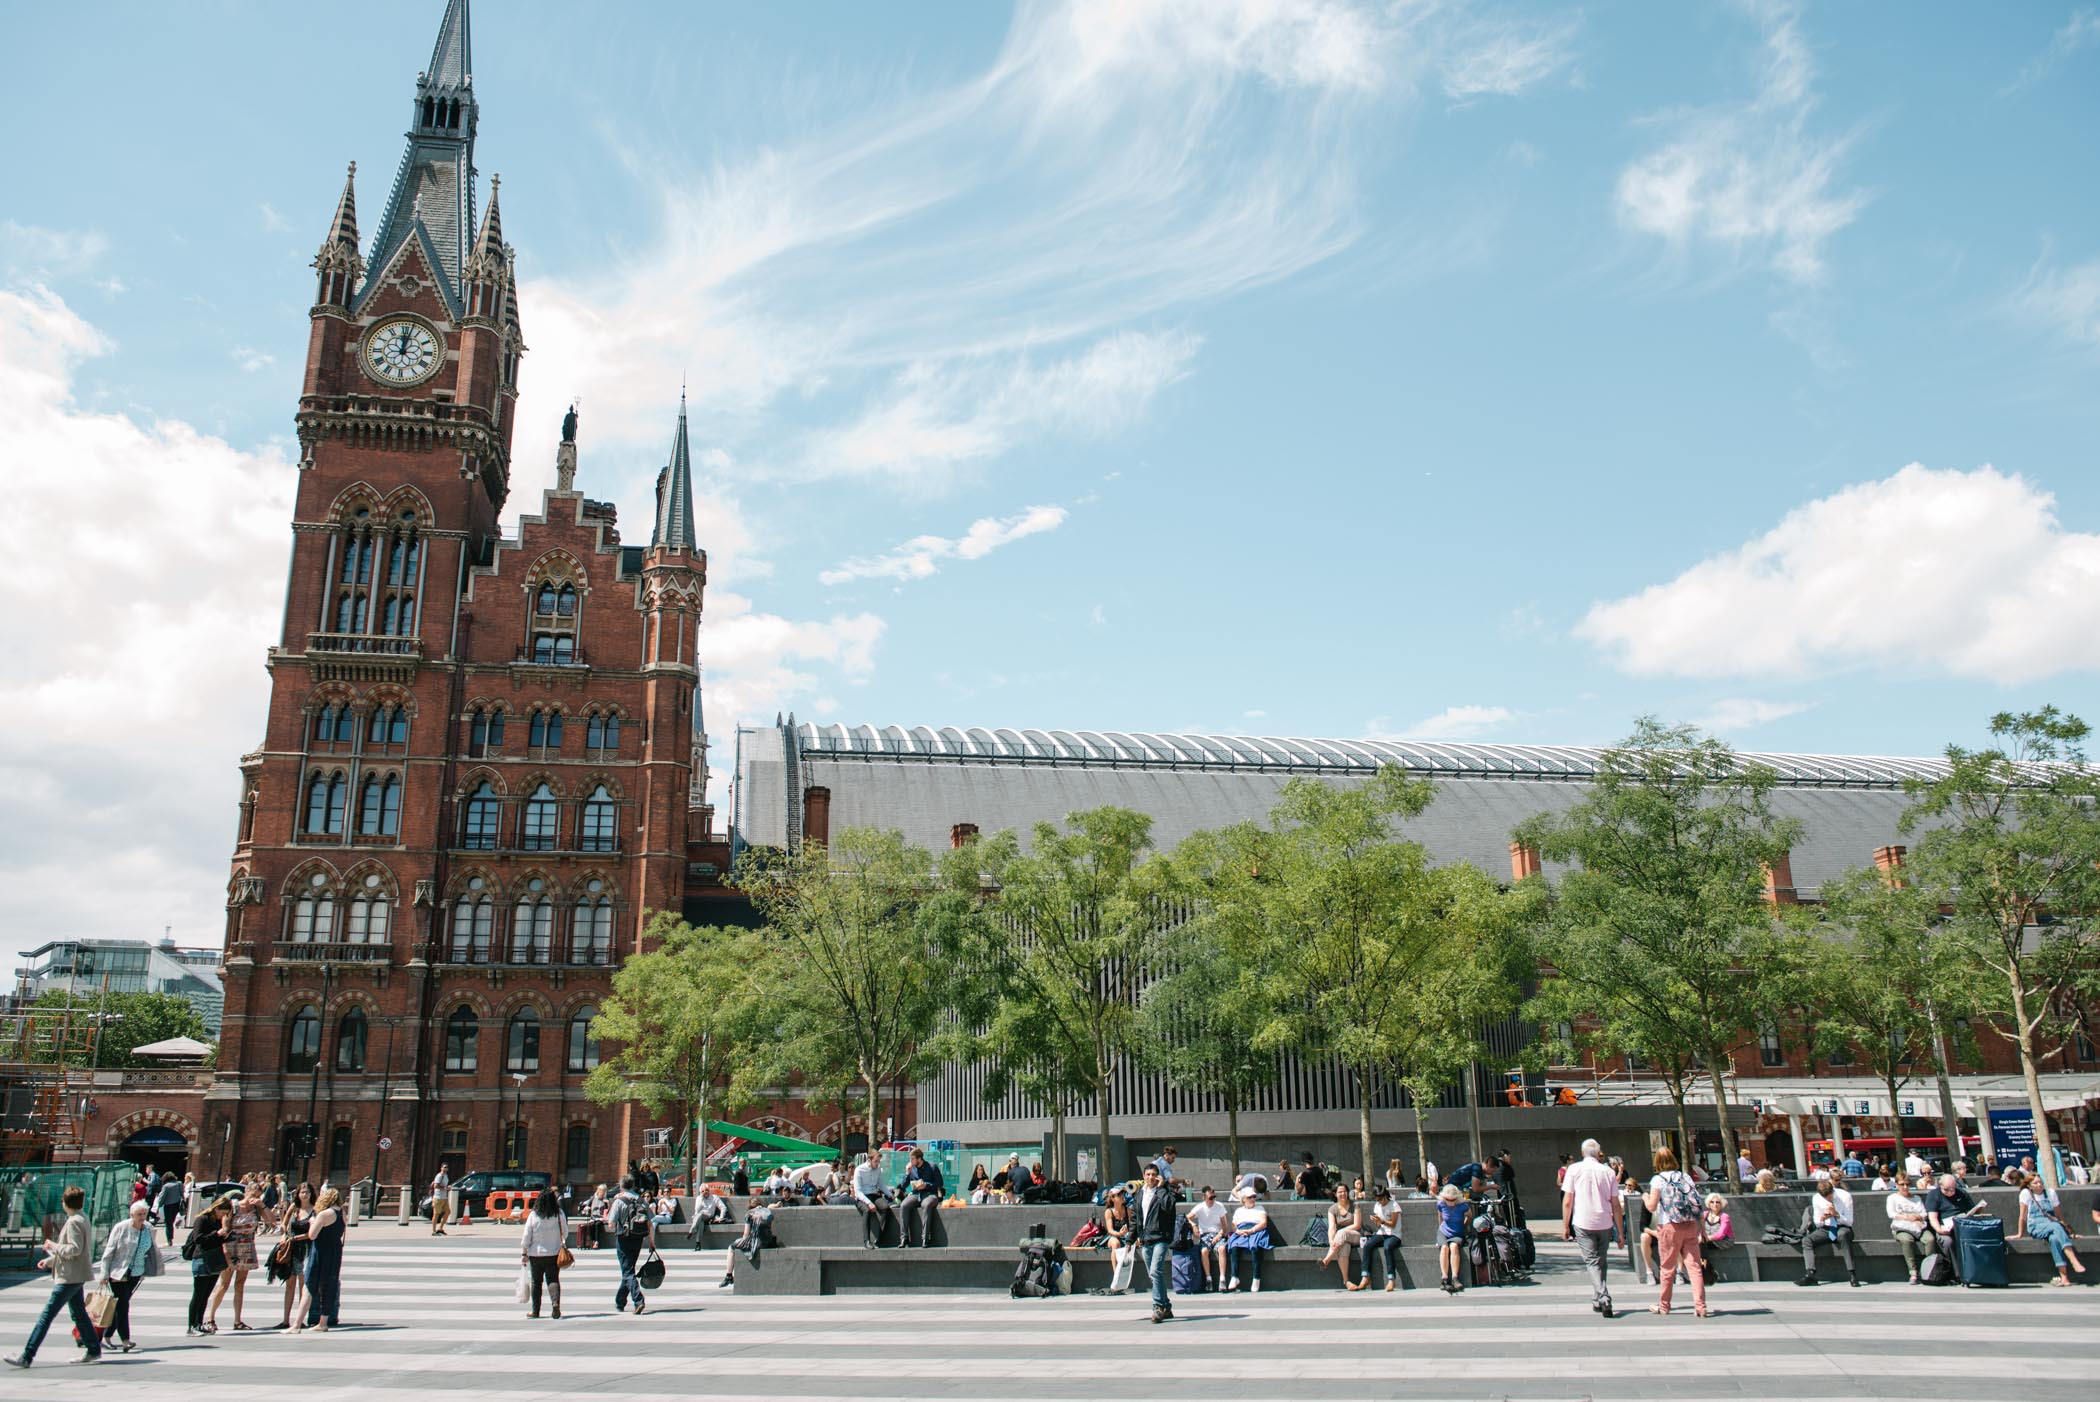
345 230
452 61
674 497
489 243
433 195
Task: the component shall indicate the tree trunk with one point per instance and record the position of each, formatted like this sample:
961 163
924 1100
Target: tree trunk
1363 1123
1728 1149
1232 1132
874 1104
1473 1110
1101 1074
1421 1136
1950 1116
1684 1127
1057 1139
2030 1072
1895 1119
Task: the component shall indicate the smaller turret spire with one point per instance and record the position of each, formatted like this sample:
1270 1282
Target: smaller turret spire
338 262
674 492
490 242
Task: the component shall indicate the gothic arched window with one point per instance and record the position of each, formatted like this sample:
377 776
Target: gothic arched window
302 1040
484 731
473 923
583 1045
350 1041
521 1054
462 1035
379 806
600 828
325 797
602 732
542 826
483 818
532 925
371 913
312 918
590 931
545 731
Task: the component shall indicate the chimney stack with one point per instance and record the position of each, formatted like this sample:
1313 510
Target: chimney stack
1523 861
1779 881
962 835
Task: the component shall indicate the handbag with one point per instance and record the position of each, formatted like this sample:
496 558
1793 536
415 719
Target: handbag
651 1272
101 1307
564 1258
1089 1237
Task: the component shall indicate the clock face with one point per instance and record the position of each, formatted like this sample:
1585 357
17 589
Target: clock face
402 352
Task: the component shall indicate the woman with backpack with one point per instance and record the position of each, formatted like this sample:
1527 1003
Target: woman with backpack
1673 1204
205 1250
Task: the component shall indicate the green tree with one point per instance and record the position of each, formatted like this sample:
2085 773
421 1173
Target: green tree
688 1028
872 935
1067 958
1663 921
2011 836
1871 972
1209 1015
1609 1015
127 1020
1362 924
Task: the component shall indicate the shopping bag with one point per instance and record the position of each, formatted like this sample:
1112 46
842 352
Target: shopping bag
524 1290
101 1308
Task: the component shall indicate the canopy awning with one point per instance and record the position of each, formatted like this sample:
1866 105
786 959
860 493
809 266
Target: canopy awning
175 1049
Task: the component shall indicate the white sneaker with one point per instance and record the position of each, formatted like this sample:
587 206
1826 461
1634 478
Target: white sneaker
1255 1287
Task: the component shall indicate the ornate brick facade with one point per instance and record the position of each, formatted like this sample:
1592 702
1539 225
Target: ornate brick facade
482 765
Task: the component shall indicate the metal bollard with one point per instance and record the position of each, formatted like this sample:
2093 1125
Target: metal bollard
356 1205
407 1202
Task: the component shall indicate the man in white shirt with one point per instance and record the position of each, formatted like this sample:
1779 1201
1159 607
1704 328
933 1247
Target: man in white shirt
1429 1172
1827 1218
1208 1219
1916 1167
872 1196
1591 1215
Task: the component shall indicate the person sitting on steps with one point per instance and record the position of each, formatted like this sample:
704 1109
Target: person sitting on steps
1827 1218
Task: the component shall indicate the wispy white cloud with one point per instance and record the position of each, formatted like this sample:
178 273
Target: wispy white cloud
1738 713
1451 723
272 221
32 253
1968 573
1504 57
251 359
854 291
923 555
2067 299
1750 177
2080 31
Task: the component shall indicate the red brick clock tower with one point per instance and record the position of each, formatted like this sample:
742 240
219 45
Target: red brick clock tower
476 777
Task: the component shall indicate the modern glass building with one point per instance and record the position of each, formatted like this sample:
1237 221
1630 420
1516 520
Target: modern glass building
130 966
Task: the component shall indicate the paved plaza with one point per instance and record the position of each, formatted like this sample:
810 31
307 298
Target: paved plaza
424 1316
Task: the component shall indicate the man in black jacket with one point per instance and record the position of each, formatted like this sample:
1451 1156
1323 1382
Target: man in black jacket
1152 1214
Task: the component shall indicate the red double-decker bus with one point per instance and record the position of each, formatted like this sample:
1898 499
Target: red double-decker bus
1822 1153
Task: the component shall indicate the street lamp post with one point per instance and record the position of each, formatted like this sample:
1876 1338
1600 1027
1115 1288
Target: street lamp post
310 1133
386 1085
517 1110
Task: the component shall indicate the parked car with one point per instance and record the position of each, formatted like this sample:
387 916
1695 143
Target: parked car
474 1188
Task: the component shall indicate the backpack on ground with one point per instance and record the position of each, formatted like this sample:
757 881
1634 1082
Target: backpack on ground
1041 1268
1936 1269
1527 1247
1188 1272
1505 1244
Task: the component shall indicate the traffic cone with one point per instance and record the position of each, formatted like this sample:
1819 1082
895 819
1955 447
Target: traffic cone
466 1212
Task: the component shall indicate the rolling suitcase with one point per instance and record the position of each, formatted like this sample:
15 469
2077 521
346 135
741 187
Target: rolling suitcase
1979 1251
1188 1272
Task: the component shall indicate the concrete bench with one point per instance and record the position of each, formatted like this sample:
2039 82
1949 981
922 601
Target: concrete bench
2027 1262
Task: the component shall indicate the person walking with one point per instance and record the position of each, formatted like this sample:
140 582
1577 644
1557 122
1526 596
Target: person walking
541 1246
324 1265
170 1205
1592 1215
440 1201
632 1229
1155 1222
288 1260
922 1198
241 1227
129 1255
71 1260
1673 1202
205 1249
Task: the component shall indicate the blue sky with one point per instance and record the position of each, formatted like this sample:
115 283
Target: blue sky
1297 367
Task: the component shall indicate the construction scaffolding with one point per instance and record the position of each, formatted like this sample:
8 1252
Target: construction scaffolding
46 1067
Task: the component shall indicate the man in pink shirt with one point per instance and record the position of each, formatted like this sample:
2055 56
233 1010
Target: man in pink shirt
1591 1215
